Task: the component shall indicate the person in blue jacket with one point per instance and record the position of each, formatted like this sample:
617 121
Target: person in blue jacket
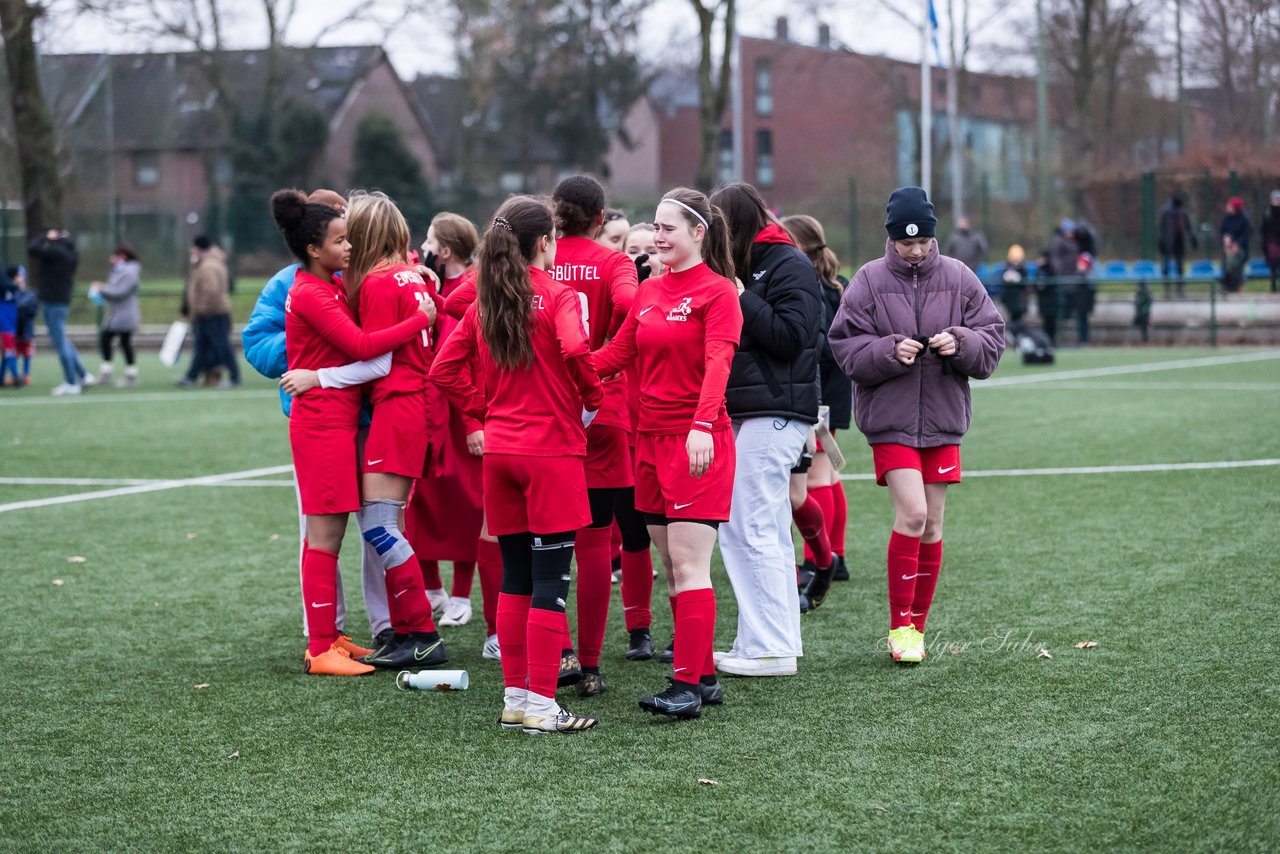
264 348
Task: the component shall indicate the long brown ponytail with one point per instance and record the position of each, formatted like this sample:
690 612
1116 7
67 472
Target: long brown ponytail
809 235
504 291
715 245
378 235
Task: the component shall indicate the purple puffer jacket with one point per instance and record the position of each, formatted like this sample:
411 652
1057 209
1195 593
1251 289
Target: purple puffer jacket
889 300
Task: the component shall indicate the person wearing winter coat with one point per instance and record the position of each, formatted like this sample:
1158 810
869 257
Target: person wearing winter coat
120 296
1235 224
1176 237
772 399
55 269
913 328
966 245
208 302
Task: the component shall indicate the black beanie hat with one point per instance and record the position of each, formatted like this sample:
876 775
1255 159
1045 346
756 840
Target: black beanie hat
910 214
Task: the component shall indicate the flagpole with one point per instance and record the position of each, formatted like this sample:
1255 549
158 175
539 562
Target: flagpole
926 104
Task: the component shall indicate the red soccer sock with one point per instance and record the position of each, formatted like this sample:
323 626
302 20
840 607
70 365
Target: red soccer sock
431 575
489 564
838 519
320 598
695 633
545 630
595 584
407 599
813 527
674 608
637 589
464 573
904 566
513 634
930 567
822 496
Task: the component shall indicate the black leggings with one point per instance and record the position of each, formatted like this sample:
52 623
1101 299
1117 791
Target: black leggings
537 565
635 534
126 345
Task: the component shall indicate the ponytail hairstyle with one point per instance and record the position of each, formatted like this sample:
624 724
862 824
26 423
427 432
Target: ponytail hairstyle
378 235
457 234
747 214
715 245
504 291
808 234
578 200
303 223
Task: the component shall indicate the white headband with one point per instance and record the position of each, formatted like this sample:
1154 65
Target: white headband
705 224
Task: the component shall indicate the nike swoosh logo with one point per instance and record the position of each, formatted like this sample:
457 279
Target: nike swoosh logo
321 604
908 578
373 462
421 654
944 471
678 669
401 593
682 506
681 706
643 310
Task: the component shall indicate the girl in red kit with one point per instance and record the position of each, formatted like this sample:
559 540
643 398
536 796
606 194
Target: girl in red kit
387 290
682 331
535 391
320 332
605 281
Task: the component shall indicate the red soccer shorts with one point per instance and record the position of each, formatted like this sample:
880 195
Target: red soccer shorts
665 487
324 460
544 495
936 465
397 442
608 461
25 347
8 342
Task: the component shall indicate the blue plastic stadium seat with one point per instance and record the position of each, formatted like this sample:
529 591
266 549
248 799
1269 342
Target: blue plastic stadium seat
1145 270
1258 269
1115 270
1204 270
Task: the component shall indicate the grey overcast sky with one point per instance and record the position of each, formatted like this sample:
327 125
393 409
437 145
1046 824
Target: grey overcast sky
422 46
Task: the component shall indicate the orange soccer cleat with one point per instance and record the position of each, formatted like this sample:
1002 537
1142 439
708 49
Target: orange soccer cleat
335 661
352 648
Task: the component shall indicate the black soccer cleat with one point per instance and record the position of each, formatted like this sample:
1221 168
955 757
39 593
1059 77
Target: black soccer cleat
409 651
818 587
592 685
712 694
842 571
804 574
640 646
570 669
680 700
668 655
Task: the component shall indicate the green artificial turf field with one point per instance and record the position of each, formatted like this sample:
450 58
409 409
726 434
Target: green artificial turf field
153 696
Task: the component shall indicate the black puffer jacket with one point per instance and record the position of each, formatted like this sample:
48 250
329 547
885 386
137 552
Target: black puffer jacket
837 389
58 261
775 371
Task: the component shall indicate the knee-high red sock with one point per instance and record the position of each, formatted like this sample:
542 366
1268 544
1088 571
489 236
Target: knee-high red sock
489 564
545 629
595 583
839 519
320 598
615 542
813 527
431 574
904 567
930 567
513 631
695 633
637 589
822 496
674 607
464 573
407 599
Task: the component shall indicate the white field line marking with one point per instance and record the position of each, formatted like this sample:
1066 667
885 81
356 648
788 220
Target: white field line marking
1117 370
122 481
1140 386
163 397
1153 467
159 486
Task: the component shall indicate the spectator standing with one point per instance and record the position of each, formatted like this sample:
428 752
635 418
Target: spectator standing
1013 284
1233 264
1176 237
1047 297
1083 296
966 245
1236 225
209 303
1142 310
55 278
120 292
1271 237
28 308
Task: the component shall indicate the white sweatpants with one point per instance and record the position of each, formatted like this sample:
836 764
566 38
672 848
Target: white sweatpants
756 544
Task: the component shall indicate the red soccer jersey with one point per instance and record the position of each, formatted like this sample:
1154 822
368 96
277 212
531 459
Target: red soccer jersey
534 410
387 296
462 295
672 321
320 332
606 283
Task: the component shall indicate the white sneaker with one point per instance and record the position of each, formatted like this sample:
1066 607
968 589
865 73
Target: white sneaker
88 380
65 389
491 650
617 576
543 715
129 380
740 666
513 705
457 612
731 652
438 599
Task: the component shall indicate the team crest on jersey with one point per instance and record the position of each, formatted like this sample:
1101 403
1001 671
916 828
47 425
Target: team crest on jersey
680 314
408 277
288 303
